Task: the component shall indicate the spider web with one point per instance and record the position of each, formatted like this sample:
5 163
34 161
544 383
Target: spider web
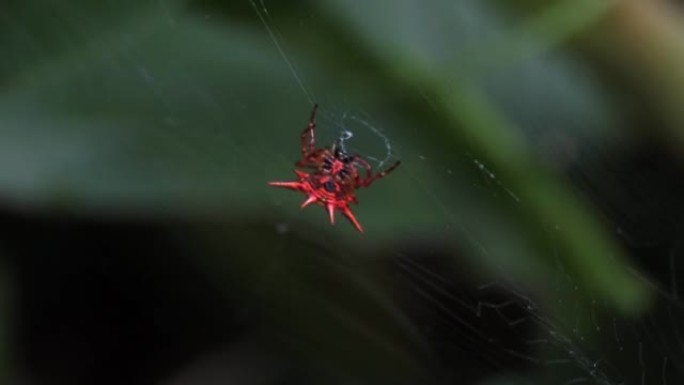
496 324
184 110
347 123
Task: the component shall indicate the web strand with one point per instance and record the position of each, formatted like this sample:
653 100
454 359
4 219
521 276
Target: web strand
281 51
642 352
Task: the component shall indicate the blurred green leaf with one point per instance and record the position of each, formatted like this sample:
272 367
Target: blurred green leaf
173 115
542 31
425 59
165 116
35 33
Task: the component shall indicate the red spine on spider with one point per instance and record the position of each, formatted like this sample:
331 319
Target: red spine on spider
329 175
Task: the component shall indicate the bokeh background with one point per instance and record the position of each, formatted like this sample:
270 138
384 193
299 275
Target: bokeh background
532 234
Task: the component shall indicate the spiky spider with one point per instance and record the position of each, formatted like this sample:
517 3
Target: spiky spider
333 177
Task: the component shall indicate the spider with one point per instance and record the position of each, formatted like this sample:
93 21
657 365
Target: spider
332 177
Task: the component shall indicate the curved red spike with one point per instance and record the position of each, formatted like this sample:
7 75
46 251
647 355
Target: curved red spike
291 185
347 213
312 199
331 212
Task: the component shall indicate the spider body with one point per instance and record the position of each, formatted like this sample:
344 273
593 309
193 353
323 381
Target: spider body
333 175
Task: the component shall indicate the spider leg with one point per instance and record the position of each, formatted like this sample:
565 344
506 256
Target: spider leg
307 137
306 161
366 166
365 182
